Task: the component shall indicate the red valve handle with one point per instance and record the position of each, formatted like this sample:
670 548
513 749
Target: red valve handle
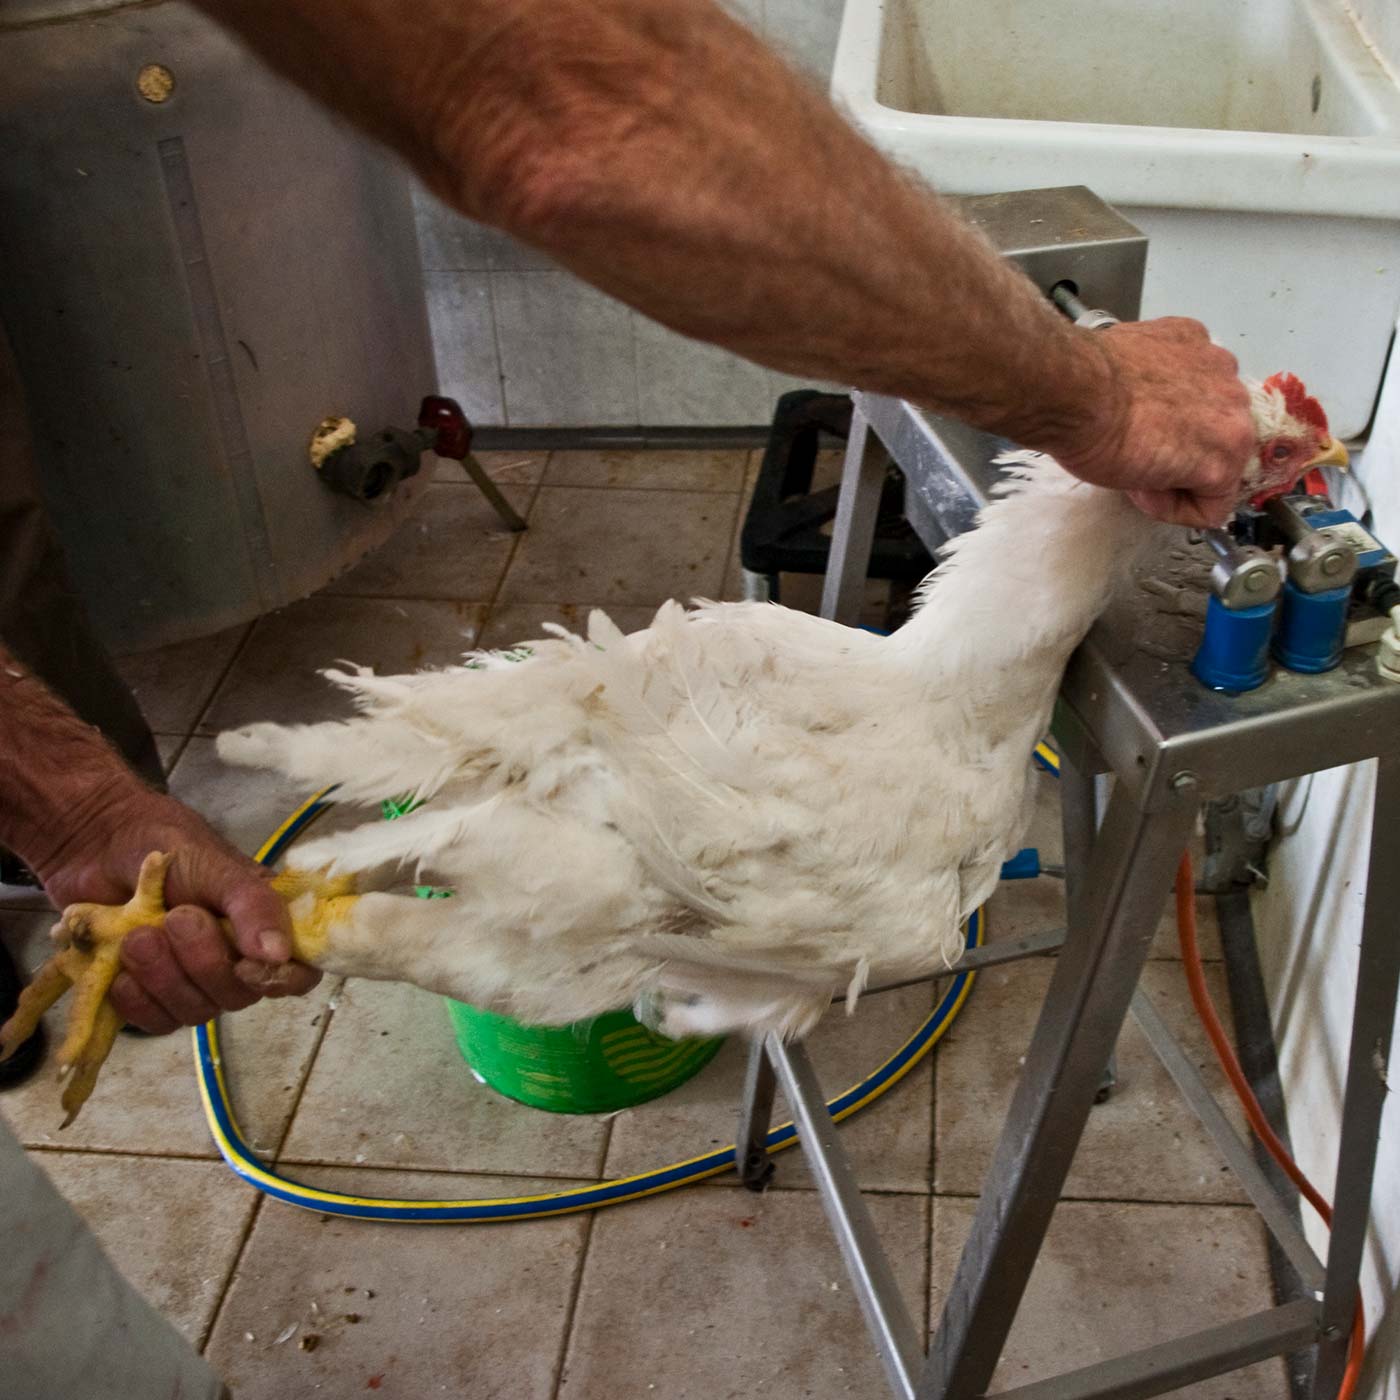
452 428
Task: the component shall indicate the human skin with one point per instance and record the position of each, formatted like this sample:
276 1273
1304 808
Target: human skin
660 151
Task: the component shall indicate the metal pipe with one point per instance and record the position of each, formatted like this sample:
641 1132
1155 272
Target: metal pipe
1030 945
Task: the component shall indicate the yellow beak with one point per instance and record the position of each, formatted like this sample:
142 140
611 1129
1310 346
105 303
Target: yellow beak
1333 455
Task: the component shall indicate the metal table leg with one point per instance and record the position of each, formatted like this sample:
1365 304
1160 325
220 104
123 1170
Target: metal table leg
510 518
1095 977
1079 822
755 1117
853 531
1367 1068
896 1337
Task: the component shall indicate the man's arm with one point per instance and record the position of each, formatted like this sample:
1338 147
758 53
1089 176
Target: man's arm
661 152
83 822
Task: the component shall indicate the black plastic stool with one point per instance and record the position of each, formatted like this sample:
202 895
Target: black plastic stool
783 528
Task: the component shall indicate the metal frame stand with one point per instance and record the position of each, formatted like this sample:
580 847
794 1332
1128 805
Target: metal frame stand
1170 745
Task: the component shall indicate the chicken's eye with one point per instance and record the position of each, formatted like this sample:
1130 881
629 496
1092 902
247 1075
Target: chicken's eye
1281 451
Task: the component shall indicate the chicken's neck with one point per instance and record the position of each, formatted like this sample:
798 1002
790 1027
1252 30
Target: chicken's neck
1014 597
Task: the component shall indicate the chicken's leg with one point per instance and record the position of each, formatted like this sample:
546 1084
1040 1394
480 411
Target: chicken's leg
89 958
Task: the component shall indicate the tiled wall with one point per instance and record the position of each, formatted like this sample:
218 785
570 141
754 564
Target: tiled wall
524 344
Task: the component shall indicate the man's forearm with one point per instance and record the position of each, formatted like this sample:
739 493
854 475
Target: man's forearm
657 149
57 774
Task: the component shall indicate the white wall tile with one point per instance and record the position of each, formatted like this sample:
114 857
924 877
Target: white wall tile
447 242
750 12
464 343
508 255
566 352
684 383
805 31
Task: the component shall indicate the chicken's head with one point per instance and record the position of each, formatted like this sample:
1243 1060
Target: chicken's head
1293 437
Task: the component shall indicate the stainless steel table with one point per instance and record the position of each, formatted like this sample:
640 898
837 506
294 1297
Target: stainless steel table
1128 707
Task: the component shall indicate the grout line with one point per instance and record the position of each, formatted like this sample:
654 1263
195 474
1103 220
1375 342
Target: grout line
730 554
576 1290
571 1309
636 359
143 1153
496 339
1154 1201
737 492
213 693
232 1272
407 598
322 1031
741 439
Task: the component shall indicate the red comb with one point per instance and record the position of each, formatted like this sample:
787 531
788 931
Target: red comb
1299 403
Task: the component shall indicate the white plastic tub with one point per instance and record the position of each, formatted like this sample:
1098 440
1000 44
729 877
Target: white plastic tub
1256 142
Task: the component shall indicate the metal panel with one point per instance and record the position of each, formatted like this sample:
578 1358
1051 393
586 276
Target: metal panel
190 286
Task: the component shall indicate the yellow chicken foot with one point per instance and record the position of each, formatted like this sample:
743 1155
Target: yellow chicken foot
89 958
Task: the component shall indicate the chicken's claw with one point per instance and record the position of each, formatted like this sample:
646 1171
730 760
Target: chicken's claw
89 957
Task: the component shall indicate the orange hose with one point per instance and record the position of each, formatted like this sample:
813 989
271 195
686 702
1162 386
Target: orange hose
1224 1052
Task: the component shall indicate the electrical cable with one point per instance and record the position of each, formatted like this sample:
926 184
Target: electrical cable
1229 1062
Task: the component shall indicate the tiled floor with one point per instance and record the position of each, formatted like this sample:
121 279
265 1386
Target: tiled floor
709 1292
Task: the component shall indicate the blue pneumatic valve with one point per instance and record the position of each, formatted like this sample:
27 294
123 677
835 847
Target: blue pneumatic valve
1234 652
1322 563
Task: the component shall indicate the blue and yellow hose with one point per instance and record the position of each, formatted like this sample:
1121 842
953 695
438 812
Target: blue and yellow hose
234 1148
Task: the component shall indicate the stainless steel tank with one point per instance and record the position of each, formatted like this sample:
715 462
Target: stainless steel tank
197 266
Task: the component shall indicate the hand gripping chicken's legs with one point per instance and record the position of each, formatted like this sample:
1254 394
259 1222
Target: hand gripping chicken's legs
89 957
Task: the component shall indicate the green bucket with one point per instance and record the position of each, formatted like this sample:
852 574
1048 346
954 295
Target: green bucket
593 1066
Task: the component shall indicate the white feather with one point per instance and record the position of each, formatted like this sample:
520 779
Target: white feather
731 816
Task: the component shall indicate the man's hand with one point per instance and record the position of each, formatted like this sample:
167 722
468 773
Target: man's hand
187 972
1172 425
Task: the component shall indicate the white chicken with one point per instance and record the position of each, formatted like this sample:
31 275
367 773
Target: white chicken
732 815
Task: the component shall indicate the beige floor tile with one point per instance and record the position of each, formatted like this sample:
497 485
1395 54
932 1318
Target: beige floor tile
174 1228
1143 1144
453 546
889 1143
504 468
721 1294
1113 1278
681 469
169 747
475 1311
509 623
1046 832
147 1099
390 1089
616 546
276 677
173 684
